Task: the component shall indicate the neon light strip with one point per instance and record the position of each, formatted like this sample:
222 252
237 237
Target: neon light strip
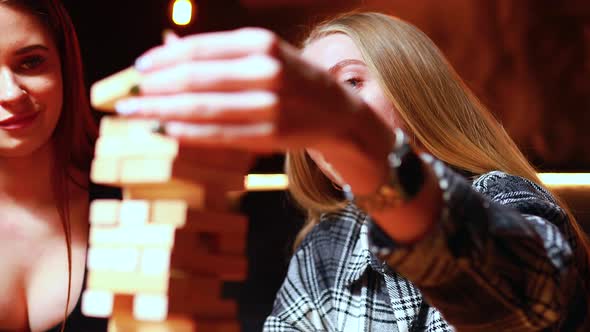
259 182
565 179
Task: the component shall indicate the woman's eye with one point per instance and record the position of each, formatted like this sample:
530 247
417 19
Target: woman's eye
353 82
32 62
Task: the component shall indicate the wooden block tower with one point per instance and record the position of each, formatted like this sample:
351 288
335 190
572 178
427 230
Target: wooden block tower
158 258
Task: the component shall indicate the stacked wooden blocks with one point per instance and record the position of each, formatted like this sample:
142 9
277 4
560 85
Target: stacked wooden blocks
158 259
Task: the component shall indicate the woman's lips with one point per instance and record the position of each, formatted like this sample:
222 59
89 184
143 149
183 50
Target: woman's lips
18 121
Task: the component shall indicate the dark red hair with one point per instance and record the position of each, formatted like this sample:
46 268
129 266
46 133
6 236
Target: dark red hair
76 130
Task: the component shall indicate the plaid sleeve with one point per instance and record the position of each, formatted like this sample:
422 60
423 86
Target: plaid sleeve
497 258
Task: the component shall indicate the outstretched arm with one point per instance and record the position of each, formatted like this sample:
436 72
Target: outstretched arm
496 258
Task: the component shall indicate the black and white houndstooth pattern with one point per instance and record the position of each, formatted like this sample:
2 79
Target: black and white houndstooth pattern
494 263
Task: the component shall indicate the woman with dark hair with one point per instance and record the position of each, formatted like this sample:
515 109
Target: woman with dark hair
46 137
423 215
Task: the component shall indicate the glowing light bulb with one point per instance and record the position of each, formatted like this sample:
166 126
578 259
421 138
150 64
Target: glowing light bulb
182 12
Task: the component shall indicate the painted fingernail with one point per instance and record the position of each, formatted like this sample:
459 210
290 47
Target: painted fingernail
143 64
159 128
134 91
126 107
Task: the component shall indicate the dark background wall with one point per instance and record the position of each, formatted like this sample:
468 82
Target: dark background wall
528 60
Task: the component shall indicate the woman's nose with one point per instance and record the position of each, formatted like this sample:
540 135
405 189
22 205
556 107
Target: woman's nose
10 91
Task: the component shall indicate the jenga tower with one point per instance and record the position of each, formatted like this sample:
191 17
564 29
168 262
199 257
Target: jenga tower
158 258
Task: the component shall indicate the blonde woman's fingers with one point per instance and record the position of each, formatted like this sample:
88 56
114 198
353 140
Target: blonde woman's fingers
259 137
253 73
241 107
207 46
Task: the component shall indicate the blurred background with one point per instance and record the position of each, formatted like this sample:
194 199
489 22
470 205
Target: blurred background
527 60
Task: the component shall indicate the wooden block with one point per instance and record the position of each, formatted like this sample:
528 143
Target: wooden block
123 321
225 267
134 212
154 261
218 200
198 296
192 194
231 244
127 282
125 259
123 304
184 324
152 235
97 303
193 242
104 211
203 307
222 159
137 145
147 170
126 127
171 211
160 170
150 307
215 222
105 171
184 285
216 243
124 137
105 93
176 323
217 326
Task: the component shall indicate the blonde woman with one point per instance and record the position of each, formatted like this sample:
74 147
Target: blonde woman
423 215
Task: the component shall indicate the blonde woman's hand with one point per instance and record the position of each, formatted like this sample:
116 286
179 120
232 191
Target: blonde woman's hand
245 88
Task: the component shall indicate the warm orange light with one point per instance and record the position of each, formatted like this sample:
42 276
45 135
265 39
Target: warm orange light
256 182
182 12
259 182
565 179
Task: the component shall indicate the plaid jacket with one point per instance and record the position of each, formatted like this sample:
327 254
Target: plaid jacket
494 262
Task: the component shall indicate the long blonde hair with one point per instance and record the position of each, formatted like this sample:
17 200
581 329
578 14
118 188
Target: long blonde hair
437 109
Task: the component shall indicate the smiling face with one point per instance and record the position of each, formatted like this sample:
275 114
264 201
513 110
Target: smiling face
337 54
30 83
